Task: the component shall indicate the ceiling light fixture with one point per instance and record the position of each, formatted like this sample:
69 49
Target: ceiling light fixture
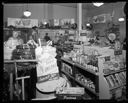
121 19
87 24
98 4
27 13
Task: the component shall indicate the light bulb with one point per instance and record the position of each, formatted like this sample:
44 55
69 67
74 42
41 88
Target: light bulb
121 19
27 13
98 4
45 23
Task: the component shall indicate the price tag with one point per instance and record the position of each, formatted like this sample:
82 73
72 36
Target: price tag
83 34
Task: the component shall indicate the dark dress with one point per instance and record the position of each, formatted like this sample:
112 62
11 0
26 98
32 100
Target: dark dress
47 38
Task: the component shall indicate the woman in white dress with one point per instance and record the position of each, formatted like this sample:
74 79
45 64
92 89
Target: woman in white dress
11 44
13 41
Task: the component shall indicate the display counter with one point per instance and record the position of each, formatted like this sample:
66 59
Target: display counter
96 81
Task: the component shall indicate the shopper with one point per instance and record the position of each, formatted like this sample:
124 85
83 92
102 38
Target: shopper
46 37
35 33
31 41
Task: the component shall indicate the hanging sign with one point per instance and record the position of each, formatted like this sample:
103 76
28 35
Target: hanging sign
22 23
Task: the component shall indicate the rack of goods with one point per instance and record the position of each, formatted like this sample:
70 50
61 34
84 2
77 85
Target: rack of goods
85 66
112 78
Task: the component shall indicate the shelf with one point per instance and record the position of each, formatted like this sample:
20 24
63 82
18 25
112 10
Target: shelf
67 74
56 29
114 72
25 60
80 83
68 61
92 91
82 67
117 86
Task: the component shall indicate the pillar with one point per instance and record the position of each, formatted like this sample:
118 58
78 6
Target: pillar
79 17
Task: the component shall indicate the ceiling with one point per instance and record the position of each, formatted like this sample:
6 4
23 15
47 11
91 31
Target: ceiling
87 6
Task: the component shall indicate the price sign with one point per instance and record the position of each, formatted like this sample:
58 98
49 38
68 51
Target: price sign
119 52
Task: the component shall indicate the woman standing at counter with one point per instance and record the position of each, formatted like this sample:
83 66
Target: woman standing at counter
13 41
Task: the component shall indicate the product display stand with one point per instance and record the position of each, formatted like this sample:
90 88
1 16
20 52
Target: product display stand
105 92
102 88
72 72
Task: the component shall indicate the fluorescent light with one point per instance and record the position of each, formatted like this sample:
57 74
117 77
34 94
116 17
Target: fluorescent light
27 13
98 4
121 19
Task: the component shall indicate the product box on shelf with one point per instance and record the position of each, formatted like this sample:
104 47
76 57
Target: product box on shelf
70 90
54 22
70 93
67 68
85 81
67 23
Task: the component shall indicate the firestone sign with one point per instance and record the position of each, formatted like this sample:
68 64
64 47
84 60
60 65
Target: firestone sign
22 23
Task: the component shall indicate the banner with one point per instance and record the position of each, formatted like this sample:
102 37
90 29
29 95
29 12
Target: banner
22 23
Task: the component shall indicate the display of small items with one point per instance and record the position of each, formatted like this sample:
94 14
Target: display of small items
116 79
67 68
24 51
112 65
70 92
119 94
88 61
85 81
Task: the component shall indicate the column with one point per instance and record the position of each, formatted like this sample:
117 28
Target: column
79 17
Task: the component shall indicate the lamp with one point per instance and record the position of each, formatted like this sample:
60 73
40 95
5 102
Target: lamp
27 13
87 24
122 14
98 4
121 19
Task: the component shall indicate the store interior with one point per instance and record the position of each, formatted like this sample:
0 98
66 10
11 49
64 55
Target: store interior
60 51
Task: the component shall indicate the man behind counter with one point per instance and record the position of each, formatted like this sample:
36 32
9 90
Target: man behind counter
46 37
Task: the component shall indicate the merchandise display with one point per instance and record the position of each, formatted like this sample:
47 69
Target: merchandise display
87 59
111 69
85 81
